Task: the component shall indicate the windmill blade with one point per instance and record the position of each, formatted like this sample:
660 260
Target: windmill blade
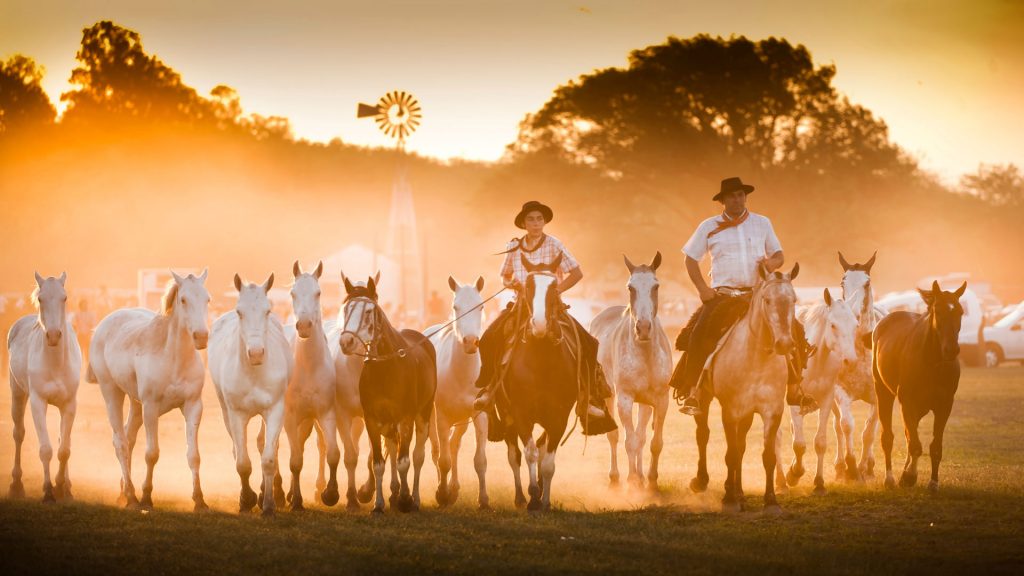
365 111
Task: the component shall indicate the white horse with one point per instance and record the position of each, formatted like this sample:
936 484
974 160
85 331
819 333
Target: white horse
45 366
855 381
831 327
310 400
636 354
250 364
458 366
154 360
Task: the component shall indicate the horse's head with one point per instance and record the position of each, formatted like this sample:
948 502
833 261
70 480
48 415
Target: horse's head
643 296
51 299
775 296
305 294
253 311
188 300
541 296
857 284
840 330
468 328
359 315
945 313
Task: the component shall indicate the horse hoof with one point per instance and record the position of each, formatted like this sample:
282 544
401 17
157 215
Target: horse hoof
853 475
353 505
908 480
441 496
268 513
867 472
484 507
534 506
613 481
636 481
698 485
405 503
296 506
377 512
200 507
330 497
933 487
279 497
16 491
890 483
731 507
819 490
520 501
364 496
773 509
793 476
246 501
145 506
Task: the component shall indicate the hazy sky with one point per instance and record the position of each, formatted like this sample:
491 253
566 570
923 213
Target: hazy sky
946 75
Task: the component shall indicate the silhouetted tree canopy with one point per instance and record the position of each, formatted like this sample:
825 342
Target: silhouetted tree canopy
1002 185
23 103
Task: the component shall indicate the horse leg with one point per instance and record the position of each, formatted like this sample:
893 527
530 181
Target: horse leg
419 455
396 486
643 417
741 444
132 427
626 419
365 492
820 446
193 412
768 459
456 444
67 420
935 449
532 458
150 419
351 458
39 406
405 431
273 420
328 445
297 444
515 461
238 430
19 402
838 463
613 444
547 469
321 461
480 458
657 442
114 399
796 468
911 420
848 425
699 483
377 459
867 451
729 501
885 402
443 457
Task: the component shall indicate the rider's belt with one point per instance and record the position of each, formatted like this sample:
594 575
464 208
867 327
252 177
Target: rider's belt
732 291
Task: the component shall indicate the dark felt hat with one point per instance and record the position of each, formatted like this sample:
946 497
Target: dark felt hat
731 185
531 206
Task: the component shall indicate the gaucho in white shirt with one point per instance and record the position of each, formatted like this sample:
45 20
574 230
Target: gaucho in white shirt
738 241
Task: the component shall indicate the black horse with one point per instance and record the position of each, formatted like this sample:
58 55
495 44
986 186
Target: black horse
542 382
396 388
915 359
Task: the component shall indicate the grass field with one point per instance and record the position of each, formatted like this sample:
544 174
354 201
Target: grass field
975 521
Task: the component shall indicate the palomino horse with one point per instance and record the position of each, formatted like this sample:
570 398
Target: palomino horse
855 381
831 327
458 365
541 383
309 400
748 373
46 364
154 360
637 357
916 360
250 364
396 387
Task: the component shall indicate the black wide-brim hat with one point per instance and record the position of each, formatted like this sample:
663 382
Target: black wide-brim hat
731 185
531 206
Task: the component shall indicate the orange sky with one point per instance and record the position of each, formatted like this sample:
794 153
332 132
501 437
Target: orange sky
947 76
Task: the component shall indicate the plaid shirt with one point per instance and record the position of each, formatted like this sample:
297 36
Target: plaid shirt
735 252
544 254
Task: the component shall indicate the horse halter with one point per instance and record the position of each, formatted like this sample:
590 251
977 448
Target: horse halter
526 306
371 346
760 304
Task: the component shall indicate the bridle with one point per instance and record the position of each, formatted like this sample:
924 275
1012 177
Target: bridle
370 347
525 308
758 300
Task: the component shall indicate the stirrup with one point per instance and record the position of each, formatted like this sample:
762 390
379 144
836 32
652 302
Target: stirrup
483 401
691 407
807 405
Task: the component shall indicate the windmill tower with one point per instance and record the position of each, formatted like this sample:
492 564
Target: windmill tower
398 114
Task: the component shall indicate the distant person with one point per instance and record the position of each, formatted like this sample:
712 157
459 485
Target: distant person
84 322
738 241
435 309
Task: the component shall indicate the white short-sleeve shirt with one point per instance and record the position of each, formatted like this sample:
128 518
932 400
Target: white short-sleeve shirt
735 251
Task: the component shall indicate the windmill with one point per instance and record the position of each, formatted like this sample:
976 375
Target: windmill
397 115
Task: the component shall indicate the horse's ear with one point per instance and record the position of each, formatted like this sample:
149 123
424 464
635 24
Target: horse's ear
556 262
348 285
656 262
960 291
870 263
936 289
480 284
371 285
794 272
63 277
202 277
376 277
319 269
828 298
177 279
268 283
453 284
238 282
629 265
842 262
39 280
296 270
527 264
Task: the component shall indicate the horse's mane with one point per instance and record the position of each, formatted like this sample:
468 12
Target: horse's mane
35 297
814 319
169 297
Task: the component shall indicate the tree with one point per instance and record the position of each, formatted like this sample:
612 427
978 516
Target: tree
23 103
1001 185
115 77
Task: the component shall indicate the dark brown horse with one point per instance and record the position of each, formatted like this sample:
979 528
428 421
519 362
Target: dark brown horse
915 360
541 385
396 388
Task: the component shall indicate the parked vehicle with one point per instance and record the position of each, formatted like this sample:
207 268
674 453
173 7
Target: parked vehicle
1004 340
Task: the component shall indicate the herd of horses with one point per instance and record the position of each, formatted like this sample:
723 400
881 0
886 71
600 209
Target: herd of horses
403 387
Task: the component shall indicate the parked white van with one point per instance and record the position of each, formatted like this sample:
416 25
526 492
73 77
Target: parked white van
1004 340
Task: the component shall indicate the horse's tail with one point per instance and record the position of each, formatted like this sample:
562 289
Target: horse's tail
90 375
